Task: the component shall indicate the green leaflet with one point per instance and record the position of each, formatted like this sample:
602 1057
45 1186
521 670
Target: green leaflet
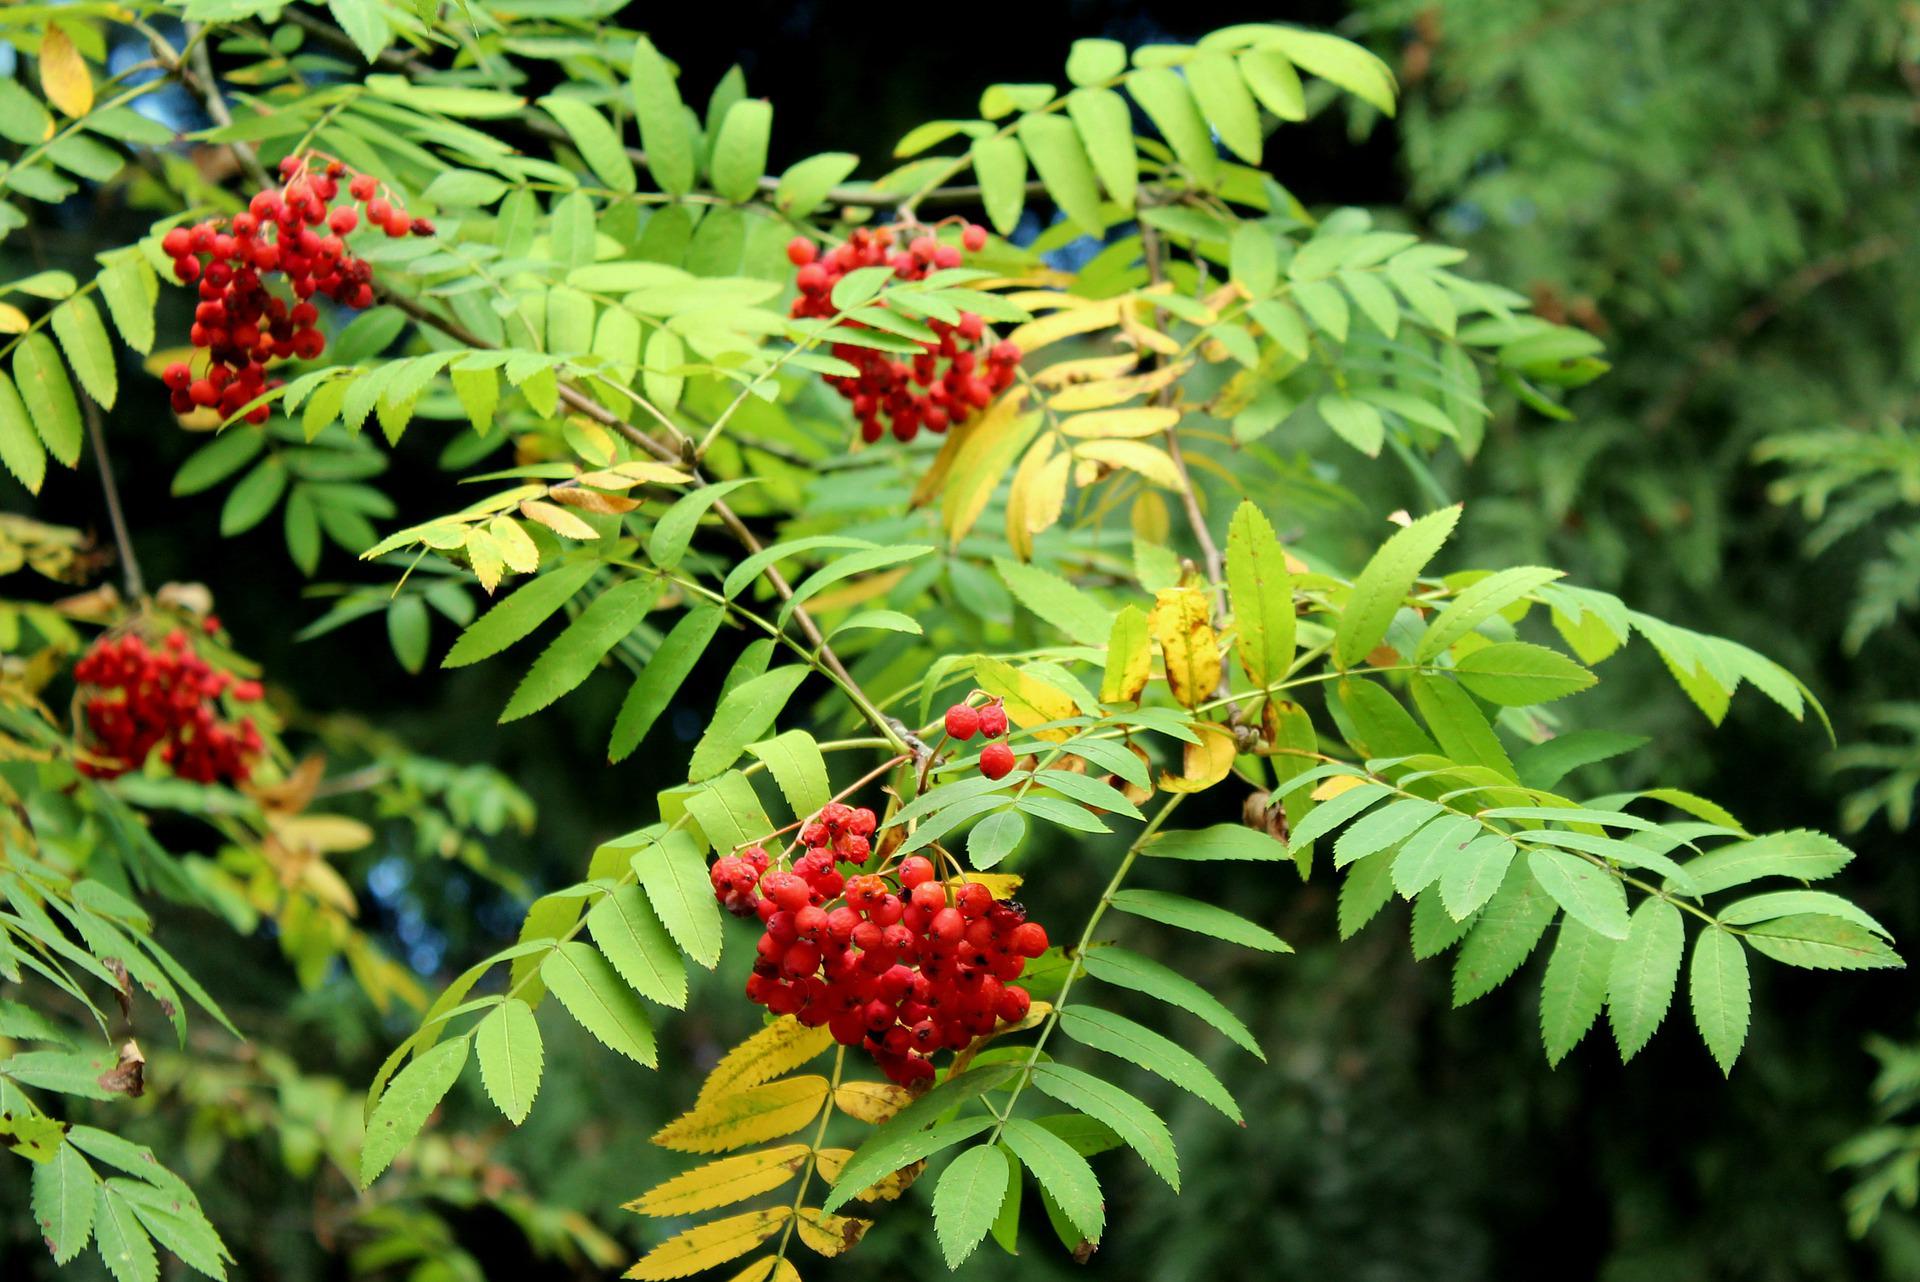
1384 583
744 714
21 449
805 186
662 117
587 985
739 156
1053 145
794 761
905 1137
1820 942
515 616
995 837
1640 981
1575 987
1062 1173
1169 104
1136 1124
508 1044
1589 893
1430 852
674 530
594 138
1799 853
634 939
1055 601
1201 918
1226 103
1519 674
44 389
1330 814
63 1202
122 1242
1105 126
1477 603
1464 734
1509 927
1718 989
1260 589
674 876
1472 877
1220 841
728 811
1387 826
409 1099
968 1198
573 655
83 337
1126 969
177 1224
1001 166
1137 1044
664 674
859 562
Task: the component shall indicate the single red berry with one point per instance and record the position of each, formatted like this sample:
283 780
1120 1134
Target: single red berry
915 870
993 720
963 721
177 375
996 759
1014 1004
175 243
1029 939
974 237
801 251
361 188
378 210
343 220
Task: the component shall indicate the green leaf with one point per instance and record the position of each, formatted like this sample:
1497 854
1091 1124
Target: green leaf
218 459
1106 130
1575 987
1519 674
1225 102
662 678
995 837
573 655
795 762
1221 841
48 396
254 497
1462 729
1091 61
1201 918
635 940
508 1043
63 1202
1260 589
1383 586
1330 814
1722 1001
1126 969
1274 82
897 1143
1477 603
514 617
739 157
1339 61
663 120
968 1198
1354 421
674 876
1139 1126
845 568
594 138
743 716
83 337
1799 853
1508 929
408 1101
363 21
1425 857
1051 598
1819 942
123 1243
1061 1172
1169 104
1387 826
1787 903
806 185
592 993
20 446
1053 145
1137 1044
407 631
1640 980
1588 892
1001 165
178 1225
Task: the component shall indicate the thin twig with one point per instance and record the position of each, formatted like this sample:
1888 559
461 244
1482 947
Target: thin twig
122 540
208 87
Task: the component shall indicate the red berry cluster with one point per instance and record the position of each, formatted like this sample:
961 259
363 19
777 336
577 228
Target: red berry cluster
948 382
900 965
963 721
137 698
297 232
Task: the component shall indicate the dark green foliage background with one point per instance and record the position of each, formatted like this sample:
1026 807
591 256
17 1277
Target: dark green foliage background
1728 193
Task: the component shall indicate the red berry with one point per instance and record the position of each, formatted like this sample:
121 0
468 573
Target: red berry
801 251
915 870
378 210
362 188
343 220
1029 939
963 721
974 238
993 720
177 375
175 243
996 759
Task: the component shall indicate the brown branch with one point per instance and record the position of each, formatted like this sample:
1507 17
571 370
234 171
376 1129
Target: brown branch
122 540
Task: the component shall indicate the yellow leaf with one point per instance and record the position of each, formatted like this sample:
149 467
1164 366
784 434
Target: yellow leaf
834 1160
12 319
779 1048
1067 322
484 555
558 519
722 1183
516 549
63 73
1141 334
1114 391
1151 521
593 500
933 481
1129 658
744 1117
1203 764
710 1244
1040 300
1333 787
831 1235
1020 497
863 588
783 1271
762 1269
1087 369
1183 626
588 439
1149 461
1142 420
997 439
1002 884
648 473
324 834
870 1102
1029 700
